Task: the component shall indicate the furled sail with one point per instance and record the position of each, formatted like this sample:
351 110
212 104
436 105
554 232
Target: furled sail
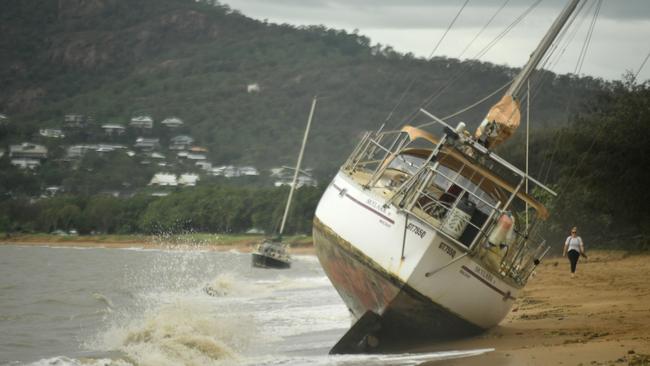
500 123
503 118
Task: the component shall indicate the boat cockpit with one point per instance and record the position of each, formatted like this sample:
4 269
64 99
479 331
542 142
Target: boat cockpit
458 188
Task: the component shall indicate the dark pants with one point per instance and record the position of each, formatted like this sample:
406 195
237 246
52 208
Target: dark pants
573 258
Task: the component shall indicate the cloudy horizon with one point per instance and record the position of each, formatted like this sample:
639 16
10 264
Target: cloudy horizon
618 42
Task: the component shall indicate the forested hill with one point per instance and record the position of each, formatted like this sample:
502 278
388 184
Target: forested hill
114 59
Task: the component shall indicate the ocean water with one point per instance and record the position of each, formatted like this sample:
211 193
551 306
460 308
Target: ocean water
93 306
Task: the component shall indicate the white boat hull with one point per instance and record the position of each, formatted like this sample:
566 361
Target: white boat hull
360 243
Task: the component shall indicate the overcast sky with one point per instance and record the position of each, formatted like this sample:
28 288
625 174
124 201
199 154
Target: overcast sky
620 40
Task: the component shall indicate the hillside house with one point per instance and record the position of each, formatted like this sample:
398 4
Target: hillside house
301 181
198 150
73 120
144 122
253 88
51 133
52 191
204 165
28 150
180 142
106 148
228 171
249 171
284 177
164 180
195 157
78 151
147 144
172 122
188 180
113 129
26 163
156 156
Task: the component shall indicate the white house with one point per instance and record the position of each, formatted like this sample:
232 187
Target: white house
180 142
248 170
253 88
164 179
52 133
52 191
301 181
188 180
28 150
204 165
172 122
25 163
73 120
228 171
143 121
112 129
147 144
196 157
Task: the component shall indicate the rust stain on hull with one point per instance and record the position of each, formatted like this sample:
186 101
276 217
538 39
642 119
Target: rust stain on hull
365 286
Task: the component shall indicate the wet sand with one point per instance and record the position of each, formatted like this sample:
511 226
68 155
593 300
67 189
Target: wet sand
600 317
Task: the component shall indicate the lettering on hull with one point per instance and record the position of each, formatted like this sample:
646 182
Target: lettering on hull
447 249
416 230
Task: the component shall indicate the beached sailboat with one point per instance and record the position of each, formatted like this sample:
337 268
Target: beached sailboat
273 252
422 236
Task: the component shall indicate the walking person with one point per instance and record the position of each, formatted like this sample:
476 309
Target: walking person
573 248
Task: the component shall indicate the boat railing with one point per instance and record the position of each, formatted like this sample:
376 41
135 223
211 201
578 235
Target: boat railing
424 193
374 149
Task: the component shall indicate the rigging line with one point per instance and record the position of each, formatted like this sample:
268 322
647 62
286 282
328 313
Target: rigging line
470 106
578 68
460 72
410 85
507 30
641 67
561 190
448 28
585 45
551 159
483 29
556 44
571 32
561 38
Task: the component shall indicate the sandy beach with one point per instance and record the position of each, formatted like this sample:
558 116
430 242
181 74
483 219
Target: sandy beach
600 317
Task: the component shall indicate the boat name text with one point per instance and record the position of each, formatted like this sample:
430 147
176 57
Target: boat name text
416 230
447 249
376 205
484 273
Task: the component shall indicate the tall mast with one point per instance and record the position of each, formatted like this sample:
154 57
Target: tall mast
503 118
520 81
295 174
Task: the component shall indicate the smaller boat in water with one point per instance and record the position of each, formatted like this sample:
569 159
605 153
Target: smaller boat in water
273 253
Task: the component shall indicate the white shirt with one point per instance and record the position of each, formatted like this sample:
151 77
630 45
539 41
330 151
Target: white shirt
573 243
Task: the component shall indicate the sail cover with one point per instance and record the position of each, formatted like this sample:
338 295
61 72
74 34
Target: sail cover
500 123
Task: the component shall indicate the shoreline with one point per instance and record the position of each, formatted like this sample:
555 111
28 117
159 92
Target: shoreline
240 243
601 317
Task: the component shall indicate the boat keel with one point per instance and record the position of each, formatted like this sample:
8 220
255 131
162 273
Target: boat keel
361 337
